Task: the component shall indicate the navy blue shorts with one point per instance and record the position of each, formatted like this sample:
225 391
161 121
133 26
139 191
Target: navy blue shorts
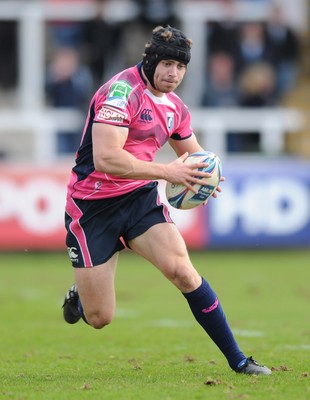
96 229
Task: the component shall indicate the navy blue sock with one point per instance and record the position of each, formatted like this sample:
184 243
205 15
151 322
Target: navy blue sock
81 311
208 312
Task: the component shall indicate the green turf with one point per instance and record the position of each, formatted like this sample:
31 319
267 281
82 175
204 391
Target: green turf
154 349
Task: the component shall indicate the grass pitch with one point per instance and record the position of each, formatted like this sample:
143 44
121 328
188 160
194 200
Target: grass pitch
154 349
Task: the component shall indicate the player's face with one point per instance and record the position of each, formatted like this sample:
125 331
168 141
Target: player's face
168 75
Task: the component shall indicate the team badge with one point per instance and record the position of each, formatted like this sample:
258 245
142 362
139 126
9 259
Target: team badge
119 94
170 121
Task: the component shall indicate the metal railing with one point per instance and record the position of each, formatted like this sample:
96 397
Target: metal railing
31 114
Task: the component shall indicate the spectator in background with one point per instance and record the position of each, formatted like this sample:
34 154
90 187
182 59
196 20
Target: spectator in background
252 46
62 32
155 12
240 74
101 41
254 56
285 48
68 85
257 86
221 88
256 80
150 14
222 36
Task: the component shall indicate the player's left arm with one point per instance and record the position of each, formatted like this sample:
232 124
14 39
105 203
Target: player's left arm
190 145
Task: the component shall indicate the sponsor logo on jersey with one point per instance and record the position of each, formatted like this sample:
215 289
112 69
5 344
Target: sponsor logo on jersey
119 94
146 116
72 254
170 121
112 115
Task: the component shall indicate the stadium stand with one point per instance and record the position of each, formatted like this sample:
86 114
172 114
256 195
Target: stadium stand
28 127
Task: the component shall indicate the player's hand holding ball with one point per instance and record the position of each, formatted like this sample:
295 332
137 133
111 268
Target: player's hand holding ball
191 194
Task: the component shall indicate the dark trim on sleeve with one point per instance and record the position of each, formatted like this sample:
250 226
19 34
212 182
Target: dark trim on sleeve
176 136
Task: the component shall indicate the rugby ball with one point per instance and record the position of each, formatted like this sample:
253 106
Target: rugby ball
180 197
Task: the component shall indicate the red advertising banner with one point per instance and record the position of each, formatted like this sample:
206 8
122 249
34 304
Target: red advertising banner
32 207
32 202
258 207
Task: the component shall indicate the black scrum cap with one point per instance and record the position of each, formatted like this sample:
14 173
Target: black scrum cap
166 44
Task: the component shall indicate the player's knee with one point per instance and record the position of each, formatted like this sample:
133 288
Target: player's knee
99 321
185 279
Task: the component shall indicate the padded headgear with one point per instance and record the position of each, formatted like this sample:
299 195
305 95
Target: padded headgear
166 44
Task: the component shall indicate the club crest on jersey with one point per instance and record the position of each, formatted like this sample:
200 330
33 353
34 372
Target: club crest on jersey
119 94
170 120
110 114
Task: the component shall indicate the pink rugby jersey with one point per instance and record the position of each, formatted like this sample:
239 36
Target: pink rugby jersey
125 101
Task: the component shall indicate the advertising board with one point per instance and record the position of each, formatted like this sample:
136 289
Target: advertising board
263 204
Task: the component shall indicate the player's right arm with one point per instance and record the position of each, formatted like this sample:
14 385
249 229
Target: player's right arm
190 145
111 158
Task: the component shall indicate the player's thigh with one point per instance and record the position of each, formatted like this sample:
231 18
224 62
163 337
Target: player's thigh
164 247
96 287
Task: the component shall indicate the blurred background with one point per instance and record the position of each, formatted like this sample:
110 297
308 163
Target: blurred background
247 86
